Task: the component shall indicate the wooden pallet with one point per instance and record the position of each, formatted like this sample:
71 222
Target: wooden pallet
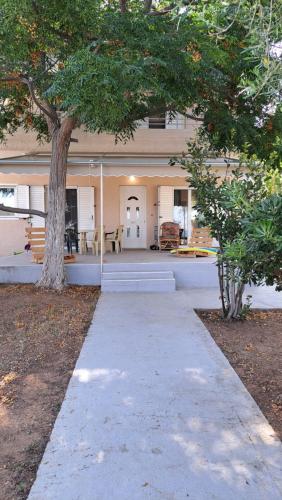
36 239
200 237
193 252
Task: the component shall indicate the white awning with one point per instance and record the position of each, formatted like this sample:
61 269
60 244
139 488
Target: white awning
112 166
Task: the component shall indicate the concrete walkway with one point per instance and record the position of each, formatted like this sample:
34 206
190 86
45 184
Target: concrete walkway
155 412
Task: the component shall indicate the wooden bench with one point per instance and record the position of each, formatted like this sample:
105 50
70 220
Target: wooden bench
200 239
36 238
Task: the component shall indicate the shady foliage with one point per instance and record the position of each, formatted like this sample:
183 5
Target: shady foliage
245 218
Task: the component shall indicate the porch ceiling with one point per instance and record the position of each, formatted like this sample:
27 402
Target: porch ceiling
112 166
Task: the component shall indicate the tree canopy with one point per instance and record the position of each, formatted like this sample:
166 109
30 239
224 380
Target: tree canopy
109 64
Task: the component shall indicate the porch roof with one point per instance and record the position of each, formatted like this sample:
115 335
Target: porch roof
115 166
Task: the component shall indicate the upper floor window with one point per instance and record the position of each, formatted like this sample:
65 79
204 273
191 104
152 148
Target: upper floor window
157 121
8 198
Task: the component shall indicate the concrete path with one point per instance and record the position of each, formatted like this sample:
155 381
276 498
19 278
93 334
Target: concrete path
264 297
155 412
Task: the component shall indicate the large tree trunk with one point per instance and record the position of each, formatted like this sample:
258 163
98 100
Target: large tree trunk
53 275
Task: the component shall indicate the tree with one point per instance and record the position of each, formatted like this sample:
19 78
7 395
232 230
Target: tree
223 203
65 64
104 66
249 114
258 249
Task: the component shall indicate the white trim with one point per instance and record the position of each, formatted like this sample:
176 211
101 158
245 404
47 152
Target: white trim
112 166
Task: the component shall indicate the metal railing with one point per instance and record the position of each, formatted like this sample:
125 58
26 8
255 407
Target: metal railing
177 121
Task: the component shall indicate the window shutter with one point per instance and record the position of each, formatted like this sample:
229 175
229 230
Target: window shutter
165 204
37 203
22 199
85 205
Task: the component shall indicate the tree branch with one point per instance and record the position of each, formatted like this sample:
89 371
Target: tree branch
28 211
162 12
48 110
193 117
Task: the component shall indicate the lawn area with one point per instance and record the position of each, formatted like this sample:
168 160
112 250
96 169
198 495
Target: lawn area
254 349
41 334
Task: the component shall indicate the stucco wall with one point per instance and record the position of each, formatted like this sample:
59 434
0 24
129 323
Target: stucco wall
12 236
112 199
12 231
146 141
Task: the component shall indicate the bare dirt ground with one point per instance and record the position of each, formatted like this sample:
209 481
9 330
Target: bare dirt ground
254 349
41 334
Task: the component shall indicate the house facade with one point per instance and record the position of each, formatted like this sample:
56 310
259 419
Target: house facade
133 183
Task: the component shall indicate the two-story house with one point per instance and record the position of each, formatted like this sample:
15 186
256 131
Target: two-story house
140 189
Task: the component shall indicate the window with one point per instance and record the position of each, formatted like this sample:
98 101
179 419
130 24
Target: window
157 121
8 198
71 213
180 210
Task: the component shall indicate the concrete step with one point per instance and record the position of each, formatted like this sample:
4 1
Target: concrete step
126 275
134 281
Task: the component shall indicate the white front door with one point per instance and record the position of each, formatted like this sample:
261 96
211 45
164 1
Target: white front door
133 216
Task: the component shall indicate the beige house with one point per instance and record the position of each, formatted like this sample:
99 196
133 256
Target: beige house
139 188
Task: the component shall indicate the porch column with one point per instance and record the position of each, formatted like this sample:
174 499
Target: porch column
189 213
101 215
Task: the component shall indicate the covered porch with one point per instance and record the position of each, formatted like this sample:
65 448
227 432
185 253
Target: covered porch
188 272
137 192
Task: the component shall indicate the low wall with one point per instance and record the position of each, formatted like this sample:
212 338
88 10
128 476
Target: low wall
187 274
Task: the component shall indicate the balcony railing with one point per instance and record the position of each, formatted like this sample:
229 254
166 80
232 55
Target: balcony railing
178 121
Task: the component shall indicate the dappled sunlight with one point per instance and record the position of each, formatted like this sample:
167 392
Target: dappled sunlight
103 375
100 456
62 441
7 379
5 420
189 447
240 468
198 451
194 424
128 401
263 429
196 374
83 445
228 441
224 454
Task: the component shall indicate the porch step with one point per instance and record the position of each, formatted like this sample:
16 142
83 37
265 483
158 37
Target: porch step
134 281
